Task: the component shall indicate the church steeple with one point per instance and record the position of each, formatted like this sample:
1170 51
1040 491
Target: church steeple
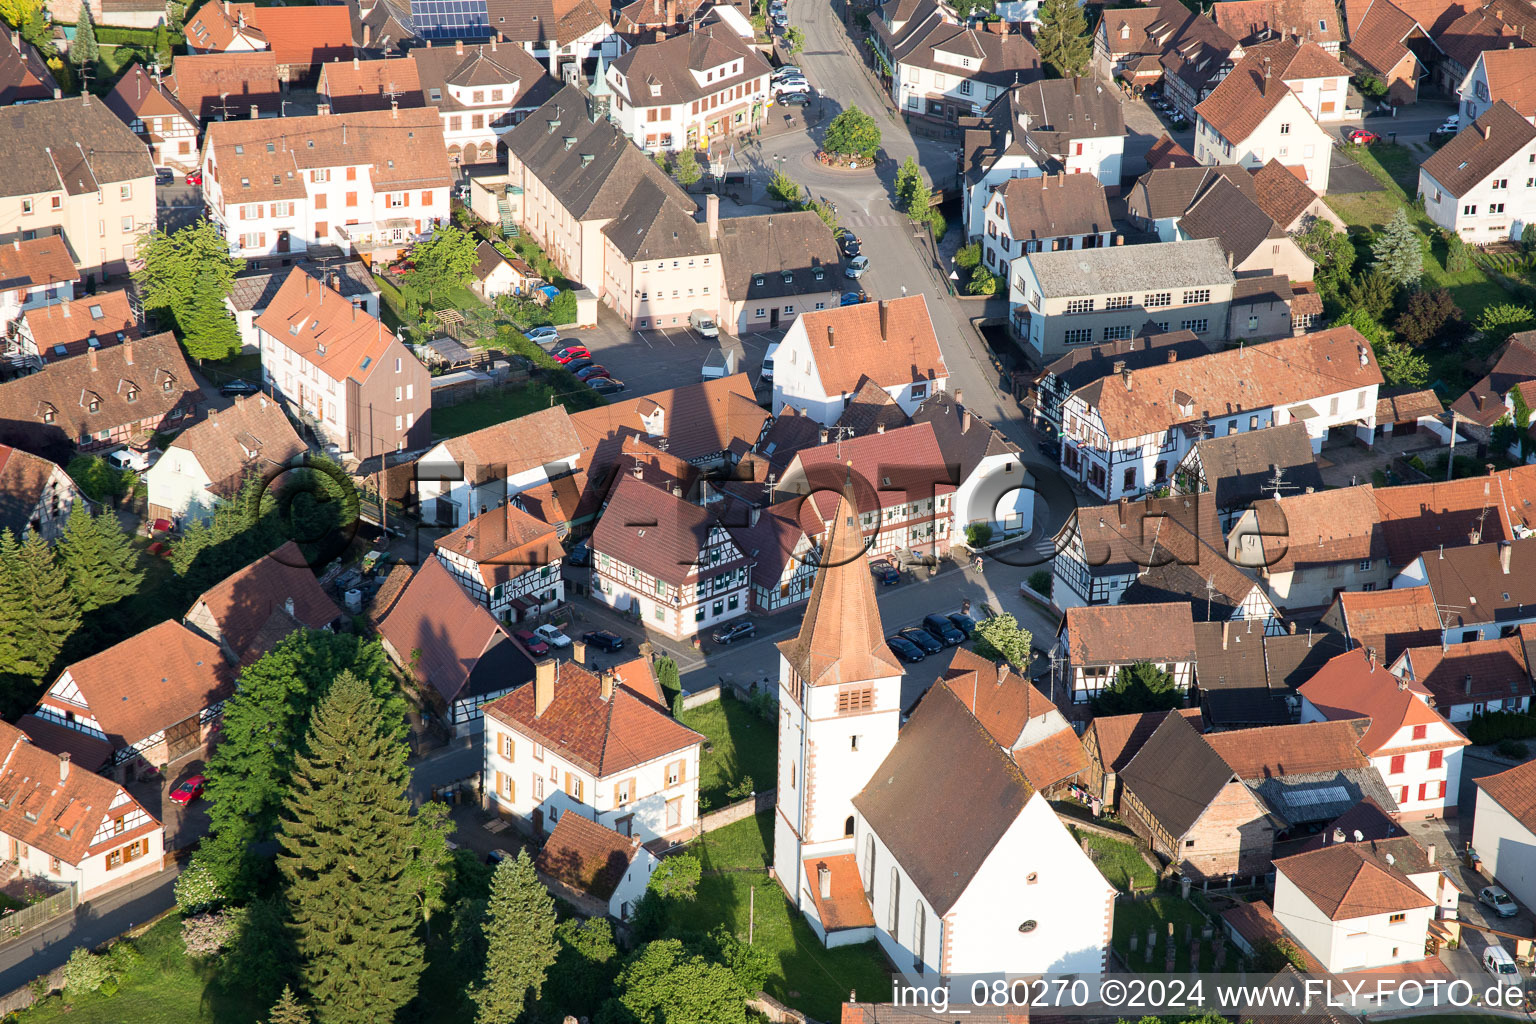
841 639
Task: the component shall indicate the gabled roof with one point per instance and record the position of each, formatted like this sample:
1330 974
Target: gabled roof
1279 192
36 262
943 797
1165 152
1350 686
1255 87
1511 75
586 856
1417 518
1113 634
1165 192
1480 149
892 341
1317 528
1000 59
1346 882
757 253
1131 268
1470 585
1126 538
1474 33
137 96
371 84
505 543
214 85
517 445
66 328
24 77
252 436
1478 671
1483 402
1254 21
1379 37
1049 206
655 223
1294 658
1240 468
464 651
1380 834
869 410
295 35
604 737
1118 738
320 326
42 155
670 64
23 480
242 603
658 533
841 639
1225 213
1087 363
1176 775
963 436
1304 749
1388 621
1515 791
1002 700
484 64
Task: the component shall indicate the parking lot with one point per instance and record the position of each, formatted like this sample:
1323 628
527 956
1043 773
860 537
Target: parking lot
655 359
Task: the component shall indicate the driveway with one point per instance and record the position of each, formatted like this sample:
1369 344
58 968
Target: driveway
658 358
178 205
1345 176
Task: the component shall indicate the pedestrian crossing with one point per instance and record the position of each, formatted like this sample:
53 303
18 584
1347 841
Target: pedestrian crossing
864 220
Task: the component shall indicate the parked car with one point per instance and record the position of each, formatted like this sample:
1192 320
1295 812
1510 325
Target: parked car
165 176
884 572
569 354
188 790
853 298
592 373
133 459
787 71
735 631
779 18
922 638
850 244
605 385
240 387
581 554
963 622
1362 137
551 635
791 87
531 642
1451 126
541 335
856 267
1499 900
943 630
794 99
194 177
577 365
603 639
1497 961
495 857
905 649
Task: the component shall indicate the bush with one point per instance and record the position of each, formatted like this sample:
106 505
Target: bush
939 224
742 789
196 889
764 706
562 308
978 535
1040 582
1490 729
209 934
85 972
1512 749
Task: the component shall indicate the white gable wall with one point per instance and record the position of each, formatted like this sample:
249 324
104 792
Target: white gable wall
1507 847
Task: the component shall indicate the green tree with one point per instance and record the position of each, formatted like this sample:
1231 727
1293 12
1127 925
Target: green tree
98 559
208 328
431 864
825 212
1398 251
1429 312
1502 319
852 133
84 50
687 170
665 982
441 262
162 45
520 942
1275 956
45 613
1401 366
288 1010
29 21
264 727
1331 250
174 266
908 175
1368 326
752 964
196 890
1528 237
968 257
99 479
676 878
920 201
345 841
982 282
1373 293
795 40
667 676
784 188
584 969
1062 38
1137 688
1001 638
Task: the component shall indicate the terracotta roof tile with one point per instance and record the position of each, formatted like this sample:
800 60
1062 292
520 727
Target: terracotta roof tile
251 436
1470 585
1515 791
1053 760
64 328
1253 21
241 604
1378 37
1483 402
505 542
586 856
1482 670
1436 15
1442 513
891 341
295 35
1238 105
1256 923
1117 738
318 324
671 62
371 84
871 409
1303 749
1320 528
1347 882
211 84
1167 153
1473 33
1511 77
846 906
1279 192
1002 700
36 262
1048 206
86 752
23 479
1176 775
137 96
658 533
757 251
1112 634
1387 621
1350 687
1408 406
23 74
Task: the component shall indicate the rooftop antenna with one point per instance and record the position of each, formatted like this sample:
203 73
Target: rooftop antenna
1277 482
1210 593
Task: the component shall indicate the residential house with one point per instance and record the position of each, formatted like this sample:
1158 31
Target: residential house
471 474
1192 808
783 556
581 741
24 76
1048 126
495 275
70 328
1101 550
1406 411
993 485
1499 74
1269 107
1308 548
1485 403
453 647
1386 622
37 272
1160 197
1286 198
251 611
1464 41
123 717
210 461
300 38
1167 45
1046 213
1165 153
1379 832
670 562
1215 590
255 287
1394 47
1420 518
1125 433
591 861
689 91
362 181
152 111
943 71
113 395
1058 299
35 494
776 267
1257 21
566 36
1241 469
1351 908
643 18
1085 364
1480 589
655 247
226 87
1417 751
1476 678
1233 675
1262 253
346 87
826 354
66 825
100 198
1481 183
1109 743
1504 829
1096 642
507 561
342 371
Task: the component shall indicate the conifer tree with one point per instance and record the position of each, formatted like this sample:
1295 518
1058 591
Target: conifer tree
101 565
1062 38
84 49
48 614
288 1010
521 945
345 841
1399 252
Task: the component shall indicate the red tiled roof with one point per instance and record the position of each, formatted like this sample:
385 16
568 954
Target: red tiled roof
1481 670
1107 634
451 630
1515 790
1378 37
1118 738
1241 102
1345 882
1256 923
1250 21
505 543
1387 621
1320 528
85 751
891 341
1167 153
71 324
321 326
1303 749
1349 686
36 262
1512 78
242 603
1416 518
207 84
659 533
587 856
371 84
1054 759
847 906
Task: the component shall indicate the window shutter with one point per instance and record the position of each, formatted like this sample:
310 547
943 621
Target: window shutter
618 794
682 771
1423 791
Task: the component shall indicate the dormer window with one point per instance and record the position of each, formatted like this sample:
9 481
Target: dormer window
167 385
788 276
95 405
133 393
757 280
47 415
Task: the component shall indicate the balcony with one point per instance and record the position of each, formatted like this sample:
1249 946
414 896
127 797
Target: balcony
387 235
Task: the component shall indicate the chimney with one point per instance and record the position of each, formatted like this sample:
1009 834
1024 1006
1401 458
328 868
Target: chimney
1505 547
1429 854
671 12
355 63
884 320
543 685
1338 835
965 421
288 605
712 215
1293 627
64 311
367 35
677 490
605 683
1123 505
241 21
959 396
1173 355
824 880
93 360
638 469
824 435
831 339
1487 130
458 47
63 766
127 353
1226 629
1118 366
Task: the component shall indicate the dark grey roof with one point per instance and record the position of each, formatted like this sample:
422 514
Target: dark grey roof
1240 468
1296 657
943 797
1319 796
1252 707
964 440
1082 366
758 251
253 289
1228 214
1176 775
75 145
1169 191
1469 584
1214 587
1230 656
1251 291
1059 111
654 224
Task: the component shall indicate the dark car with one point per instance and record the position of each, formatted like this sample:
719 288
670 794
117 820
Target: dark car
884 572
577 365
592 373
581 554
849 242
604 639
922 638
905 649
735 631
495 857
793 99
531 642
963 622
605 385
944 630
240 387
853 298
165 176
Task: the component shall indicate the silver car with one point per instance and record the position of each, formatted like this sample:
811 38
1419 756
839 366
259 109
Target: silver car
1499 900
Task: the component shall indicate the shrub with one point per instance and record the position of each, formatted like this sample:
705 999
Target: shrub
208 934
85 972
196 889
1040 582
764 706
978 535
939 224
1490 729
742 789
1513 749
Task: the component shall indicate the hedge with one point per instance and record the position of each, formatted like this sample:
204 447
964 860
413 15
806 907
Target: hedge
1500 725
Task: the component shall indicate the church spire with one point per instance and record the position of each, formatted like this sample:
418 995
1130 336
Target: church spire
841 638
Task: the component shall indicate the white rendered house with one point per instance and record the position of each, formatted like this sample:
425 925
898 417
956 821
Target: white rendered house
1482 183
1351 909
1256 114
1504 830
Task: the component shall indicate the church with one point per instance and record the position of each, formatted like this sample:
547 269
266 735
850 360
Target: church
926 836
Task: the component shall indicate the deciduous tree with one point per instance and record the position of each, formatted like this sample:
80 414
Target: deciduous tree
1430 311
667 982
441 262
852 133
174 266
208 328
1001 638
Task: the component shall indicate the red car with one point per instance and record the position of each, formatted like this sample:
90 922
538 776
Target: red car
194 177
531 642
1361 137
571 353
189 790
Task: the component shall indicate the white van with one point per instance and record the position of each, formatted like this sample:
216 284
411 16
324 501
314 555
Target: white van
701 321
1498 962
768 361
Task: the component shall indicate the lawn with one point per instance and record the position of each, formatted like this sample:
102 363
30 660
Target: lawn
1136 916
507 403
1119 862
809 977
742 747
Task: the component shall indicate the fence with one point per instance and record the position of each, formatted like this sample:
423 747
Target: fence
776 1011
710 694
757 803
38 914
